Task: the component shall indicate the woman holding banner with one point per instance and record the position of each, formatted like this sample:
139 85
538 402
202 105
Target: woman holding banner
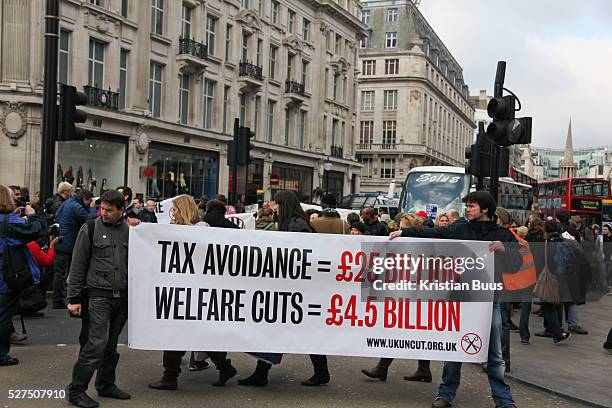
184 211
291 218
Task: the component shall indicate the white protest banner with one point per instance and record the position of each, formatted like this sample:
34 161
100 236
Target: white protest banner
258 291
243 220
253 208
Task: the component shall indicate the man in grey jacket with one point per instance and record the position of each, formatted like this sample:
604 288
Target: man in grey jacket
97 283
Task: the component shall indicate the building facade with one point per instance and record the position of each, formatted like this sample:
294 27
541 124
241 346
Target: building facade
413 102
165 80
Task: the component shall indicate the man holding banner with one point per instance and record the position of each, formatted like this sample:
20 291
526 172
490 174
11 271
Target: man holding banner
480 227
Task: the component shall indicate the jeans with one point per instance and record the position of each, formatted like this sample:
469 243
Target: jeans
553 321
107 317
61 267
505 308
524 323
571 314
8 305
500 391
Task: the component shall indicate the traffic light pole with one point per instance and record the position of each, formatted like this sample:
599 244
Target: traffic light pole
47 156
500 77
234 169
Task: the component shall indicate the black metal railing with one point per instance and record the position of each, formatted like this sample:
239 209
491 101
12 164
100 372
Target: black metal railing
192 47
251 70
337 151
294 87
102 98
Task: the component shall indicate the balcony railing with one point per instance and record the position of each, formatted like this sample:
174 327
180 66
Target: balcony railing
376 146
192 47
337 151
294 88
102 98
251 70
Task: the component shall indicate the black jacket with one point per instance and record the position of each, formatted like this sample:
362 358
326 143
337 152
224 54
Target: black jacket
215 217
509 261
147 216
52 204
377 228
297 224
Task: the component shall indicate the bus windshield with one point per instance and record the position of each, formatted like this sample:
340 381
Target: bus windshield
434 192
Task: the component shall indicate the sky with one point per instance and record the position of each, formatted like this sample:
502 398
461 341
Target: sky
558 54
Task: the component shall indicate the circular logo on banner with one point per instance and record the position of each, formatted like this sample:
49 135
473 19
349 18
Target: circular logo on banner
471 343
238 221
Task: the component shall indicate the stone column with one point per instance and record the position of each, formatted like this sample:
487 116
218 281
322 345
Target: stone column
267 170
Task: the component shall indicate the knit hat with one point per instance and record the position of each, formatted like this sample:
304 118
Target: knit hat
503 215
329 201
421 214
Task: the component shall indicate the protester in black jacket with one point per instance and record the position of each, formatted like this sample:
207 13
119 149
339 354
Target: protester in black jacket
373 226
291 218
481 226
148 213
215 215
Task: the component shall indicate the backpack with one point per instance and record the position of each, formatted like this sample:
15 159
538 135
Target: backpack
15 268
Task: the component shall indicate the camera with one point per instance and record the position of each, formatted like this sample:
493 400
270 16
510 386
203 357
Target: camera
53 230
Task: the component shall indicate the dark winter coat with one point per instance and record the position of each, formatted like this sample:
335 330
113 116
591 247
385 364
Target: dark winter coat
20 232
52 204
215 217
147 216
70 217
297 224
376 228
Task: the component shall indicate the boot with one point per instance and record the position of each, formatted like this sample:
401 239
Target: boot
260 377
381 369
167 382
441 403
81 400
421 374
321 373
114 392
319 378
226 371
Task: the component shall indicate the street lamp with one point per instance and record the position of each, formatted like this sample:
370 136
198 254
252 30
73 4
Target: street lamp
327 166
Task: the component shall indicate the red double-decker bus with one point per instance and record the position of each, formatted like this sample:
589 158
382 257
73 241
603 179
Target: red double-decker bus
579 196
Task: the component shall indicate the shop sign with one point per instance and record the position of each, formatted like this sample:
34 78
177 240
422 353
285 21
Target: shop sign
148 171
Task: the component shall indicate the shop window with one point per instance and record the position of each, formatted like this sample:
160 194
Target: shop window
96 165
182 171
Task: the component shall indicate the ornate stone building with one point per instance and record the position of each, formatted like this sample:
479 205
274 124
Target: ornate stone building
413 106
165 80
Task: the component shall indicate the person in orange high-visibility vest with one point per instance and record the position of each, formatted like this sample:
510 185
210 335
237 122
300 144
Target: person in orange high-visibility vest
518 286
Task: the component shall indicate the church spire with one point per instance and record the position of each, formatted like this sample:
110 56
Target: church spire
568 156
567 167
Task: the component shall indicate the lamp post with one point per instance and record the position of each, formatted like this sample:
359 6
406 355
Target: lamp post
327 166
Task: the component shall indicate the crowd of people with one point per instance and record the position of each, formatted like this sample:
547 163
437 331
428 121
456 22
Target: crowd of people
76 246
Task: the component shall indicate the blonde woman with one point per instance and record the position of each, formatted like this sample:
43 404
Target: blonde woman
410 220
184 211
442 220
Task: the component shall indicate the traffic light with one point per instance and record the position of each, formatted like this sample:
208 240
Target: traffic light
506 130
69 115
478 158
244 146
